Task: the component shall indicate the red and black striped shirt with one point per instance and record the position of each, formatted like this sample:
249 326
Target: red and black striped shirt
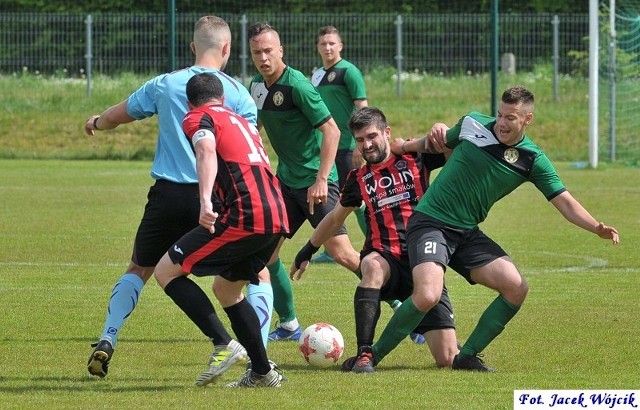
246 192
390 191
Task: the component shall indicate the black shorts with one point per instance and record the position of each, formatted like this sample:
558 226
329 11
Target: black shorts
298 209
400 287
430 240
172 210
229 252
344 164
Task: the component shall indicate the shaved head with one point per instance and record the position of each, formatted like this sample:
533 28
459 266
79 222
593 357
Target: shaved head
210 32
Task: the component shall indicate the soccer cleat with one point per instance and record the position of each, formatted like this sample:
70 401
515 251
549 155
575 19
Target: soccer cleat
99 359
364 363
252 379
472 363
417 338
323 257
222 358
271 363
347 365
274 366
283 334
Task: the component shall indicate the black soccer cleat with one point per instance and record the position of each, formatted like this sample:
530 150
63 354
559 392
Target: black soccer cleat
98 364
471 363
348 364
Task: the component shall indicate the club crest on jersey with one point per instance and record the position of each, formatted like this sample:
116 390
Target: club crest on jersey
511 155
331 76
278 98
401 165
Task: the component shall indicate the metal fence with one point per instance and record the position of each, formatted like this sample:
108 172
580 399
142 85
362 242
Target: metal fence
432 43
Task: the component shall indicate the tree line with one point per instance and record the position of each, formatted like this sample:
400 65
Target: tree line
294 6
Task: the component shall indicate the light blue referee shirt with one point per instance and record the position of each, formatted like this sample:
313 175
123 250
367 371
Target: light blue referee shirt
166 95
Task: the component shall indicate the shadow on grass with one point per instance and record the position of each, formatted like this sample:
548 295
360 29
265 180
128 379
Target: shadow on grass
71 384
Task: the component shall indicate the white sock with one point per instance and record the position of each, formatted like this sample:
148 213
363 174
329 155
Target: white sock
291 325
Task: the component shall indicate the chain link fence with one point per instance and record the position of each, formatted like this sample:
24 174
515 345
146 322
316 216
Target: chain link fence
442 44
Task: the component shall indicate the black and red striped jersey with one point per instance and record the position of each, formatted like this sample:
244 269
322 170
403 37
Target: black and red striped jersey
390 191
246 192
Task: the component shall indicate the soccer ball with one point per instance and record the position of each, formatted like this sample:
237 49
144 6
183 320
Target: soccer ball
321 345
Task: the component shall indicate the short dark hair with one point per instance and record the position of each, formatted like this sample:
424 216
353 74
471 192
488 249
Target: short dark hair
517 94
259 28
365 117
204 87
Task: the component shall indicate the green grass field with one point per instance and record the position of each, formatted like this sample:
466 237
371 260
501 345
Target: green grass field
65 238
50 113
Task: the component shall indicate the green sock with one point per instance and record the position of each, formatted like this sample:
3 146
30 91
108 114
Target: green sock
490 325
403 321
282 292
360 218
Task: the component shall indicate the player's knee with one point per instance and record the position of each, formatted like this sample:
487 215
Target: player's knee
425 299
142 272
517 292
350 260
445 358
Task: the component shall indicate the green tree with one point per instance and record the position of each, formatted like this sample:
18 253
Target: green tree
295 6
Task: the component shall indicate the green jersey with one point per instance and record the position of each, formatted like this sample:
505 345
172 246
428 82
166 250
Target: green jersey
291 110
481 170
339 87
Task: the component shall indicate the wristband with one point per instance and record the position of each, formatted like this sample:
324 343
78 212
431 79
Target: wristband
95 123
403 151
305 254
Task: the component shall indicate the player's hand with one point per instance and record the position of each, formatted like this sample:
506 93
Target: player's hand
397 146
89 129
608 232
208 217
317 194
436 139
356 158
302 260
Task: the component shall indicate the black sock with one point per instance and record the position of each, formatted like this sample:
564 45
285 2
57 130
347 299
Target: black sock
366 305
194 302
246 326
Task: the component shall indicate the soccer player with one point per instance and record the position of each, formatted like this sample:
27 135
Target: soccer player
172 206
390 187
305 137
342 88
491 157
241 219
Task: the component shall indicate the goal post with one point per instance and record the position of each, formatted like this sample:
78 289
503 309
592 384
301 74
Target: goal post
618 73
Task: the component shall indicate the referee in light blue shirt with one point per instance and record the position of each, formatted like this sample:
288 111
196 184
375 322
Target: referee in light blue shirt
173 204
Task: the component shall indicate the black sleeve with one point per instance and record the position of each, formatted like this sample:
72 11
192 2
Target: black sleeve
351 197
433 161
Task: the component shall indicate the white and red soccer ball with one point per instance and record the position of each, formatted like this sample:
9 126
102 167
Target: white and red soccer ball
321 345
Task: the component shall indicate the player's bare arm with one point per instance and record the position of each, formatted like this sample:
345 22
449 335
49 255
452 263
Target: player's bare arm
436 139
207 168
434 142
326 229
109 119
401 146
317 193
575 213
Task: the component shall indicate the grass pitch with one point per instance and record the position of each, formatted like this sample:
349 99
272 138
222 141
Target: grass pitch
65 237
